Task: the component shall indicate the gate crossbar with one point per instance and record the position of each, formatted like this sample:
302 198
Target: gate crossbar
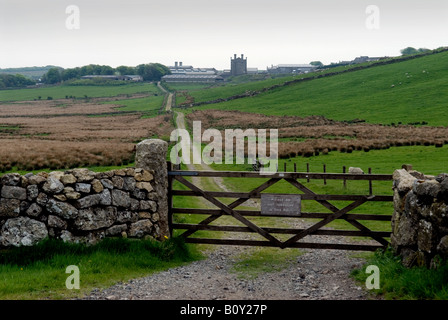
336 211
265 232
232 212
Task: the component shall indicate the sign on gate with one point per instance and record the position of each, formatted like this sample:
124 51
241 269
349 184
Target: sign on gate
281 204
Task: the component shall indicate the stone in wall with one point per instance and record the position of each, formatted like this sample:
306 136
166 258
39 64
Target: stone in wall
22 231
94 219
9 207
62 209
420 219
140 228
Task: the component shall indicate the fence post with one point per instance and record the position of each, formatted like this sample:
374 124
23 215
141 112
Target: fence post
325 171
370 183
307 171
345 181
170 167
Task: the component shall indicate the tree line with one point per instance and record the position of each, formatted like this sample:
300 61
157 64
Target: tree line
149 72
14 81
410 50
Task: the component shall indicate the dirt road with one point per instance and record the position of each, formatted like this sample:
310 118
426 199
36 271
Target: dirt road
314 275
180 123
169 100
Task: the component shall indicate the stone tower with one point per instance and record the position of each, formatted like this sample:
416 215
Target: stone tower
238 66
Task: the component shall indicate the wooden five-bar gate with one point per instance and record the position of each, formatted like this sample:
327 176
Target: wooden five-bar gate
296 235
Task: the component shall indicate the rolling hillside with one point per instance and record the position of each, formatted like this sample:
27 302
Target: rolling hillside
30 72
412 91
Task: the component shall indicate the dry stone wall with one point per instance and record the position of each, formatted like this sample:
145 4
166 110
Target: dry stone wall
83 206
420 219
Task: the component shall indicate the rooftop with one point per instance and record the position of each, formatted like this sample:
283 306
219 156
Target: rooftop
195 76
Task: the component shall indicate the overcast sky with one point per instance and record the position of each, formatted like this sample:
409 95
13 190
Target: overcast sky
206 33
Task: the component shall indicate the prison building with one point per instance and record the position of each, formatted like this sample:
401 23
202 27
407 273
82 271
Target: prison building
238 65
180 68
193 78
187 73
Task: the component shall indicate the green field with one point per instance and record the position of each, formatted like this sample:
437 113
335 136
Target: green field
232 89
63 91
404 92
148 105
186 86
246 83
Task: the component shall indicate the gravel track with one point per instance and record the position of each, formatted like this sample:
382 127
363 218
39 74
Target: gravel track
315 275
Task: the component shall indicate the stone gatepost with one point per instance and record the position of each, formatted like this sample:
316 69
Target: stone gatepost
151 155
420 219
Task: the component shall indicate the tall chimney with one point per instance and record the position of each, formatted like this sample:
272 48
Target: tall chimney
175 64
180 64
242 56
234 56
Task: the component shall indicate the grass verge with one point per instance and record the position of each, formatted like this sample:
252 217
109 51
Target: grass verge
39 272
400 283
264 260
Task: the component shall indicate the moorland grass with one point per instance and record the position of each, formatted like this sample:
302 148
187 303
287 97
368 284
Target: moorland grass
147 105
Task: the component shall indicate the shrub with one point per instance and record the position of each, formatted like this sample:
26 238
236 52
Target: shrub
308 154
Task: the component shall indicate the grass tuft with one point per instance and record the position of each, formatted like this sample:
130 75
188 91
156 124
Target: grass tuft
264 260
398 282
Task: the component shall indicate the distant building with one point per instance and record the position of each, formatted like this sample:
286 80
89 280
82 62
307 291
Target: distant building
291 68
252 70
238 66
226 73
364 59
179 68
135 78
187 73
193 78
